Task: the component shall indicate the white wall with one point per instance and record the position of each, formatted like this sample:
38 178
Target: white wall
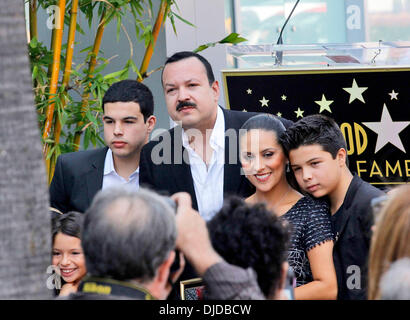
209 18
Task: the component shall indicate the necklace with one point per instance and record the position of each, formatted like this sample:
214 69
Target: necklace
274 206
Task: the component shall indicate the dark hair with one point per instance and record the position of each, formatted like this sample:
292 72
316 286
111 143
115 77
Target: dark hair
189 54
251 236
266 122
314 129
69 223
127 234
131 91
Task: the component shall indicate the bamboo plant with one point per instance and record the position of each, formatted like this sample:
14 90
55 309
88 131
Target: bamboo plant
68 97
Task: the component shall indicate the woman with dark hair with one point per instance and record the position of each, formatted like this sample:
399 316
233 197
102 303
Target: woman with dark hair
310 254
67 254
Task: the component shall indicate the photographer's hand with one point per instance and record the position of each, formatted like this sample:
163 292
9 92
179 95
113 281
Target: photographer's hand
193 238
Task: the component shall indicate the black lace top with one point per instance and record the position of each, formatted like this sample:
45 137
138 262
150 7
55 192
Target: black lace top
310 222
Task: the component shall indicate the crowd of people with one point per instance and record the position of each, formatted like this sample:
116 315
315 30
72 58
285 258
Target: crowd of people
241 200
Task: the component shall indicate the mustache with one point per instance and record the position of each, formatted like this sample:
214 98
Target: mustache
185 104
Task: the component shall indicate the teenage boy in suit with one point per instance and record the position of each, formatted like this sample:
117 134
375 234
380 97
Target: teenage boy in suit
128 119
317 154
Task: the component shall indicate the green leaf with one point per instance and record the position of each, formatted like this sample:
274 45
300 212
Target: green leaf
113 75
233 38
33 43
183 20
91 117
50 152
86 138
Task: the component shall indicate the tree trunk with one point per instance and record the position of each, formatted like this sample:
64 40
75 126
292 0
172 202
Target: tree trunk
24 217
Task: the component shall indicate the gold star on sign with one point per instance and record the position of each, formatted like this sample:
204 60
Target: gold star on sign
249 91
299 113
355 92
264 102
279 114
324 104
283 97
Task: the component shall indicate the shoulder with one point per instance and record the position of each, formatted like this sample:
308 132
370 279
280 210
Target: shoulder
165 136
82 157
235 119
367 190
363 193
311 206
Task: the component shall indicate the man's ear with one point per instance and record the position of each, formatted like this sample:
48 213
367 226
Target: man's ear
151 121
216 90
164 268
341 156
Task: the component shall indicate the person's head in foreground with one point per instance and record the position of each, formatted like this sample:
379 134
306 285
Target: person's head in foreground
252 236
129 236
391 238
67 253
317 154
395 282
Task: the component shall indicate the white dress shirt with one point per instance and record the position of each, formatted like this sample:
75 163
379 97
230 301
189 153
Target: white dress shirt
209 182
112 178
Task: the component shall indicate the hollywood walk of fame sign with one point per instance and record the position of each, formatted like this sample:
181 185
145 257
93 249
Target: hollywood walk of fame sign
371 106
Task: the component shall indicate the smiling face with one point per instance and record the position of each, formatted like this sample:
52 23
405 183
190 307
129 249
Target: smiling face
315 169
125 131
188 95
262 158
68 256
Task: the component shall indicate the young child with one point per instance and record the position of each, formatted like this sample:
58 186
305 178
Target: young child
317 153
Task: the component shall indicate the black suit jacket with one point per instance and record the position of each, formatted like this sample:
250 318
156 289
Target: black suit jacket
351 248
165 166
77 178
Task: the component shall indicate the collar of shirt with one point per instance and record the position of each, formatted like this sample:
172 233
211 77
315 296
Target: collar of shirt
209 181
217 138
109 168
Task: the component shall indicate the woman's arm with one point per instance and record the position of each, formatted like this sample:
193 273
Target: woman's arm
324 284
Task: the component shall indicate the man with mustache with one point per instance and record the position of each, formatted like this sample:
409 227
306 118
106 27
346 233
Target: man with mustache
128 119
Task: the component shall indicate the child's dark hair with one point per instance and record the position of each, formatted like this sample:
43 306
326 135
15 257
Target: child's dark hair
314 129
251 236
69 223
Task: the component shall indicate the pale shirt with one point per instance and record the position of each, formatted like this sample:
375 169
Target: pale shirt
209 182
112 178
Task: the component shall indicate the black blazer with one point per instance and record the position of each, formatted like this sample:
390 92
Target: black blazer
77 178
160 171
351 248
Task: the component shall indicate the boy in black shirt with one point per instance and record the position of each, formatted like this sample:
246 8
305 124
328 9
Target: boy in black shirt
317 154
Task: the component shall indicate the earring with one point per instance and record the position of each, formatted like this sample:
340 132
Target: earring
287 167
